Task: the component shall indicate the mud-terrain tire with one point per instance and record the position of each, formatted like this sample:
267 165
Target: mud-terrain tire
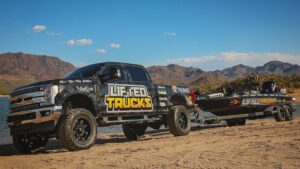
280 114
77 129
236 122
179 121
288 113
30 143
134 131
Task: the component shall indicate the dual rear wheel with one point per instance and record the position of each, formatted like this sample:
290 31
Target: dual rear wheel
283 113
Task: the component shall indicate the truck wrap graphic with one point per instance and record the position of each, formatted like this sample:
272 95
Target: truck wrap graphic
128 98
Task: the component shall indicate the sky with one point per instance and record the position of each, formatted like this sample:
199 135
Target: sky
211 34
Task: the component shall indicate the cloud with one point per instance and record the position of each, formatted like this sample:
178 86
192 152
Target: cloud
102 51
226 59
115 45
252 58
79 42
39 28
170 33
193 60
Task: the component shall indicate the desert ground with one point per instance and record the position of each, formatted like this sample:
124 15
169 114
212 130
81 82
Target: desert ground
258 144
296 94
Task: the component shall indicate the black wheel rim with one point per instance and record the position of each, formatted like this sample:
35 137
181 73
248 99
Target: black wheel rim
81 129
26 142
182 120
30 142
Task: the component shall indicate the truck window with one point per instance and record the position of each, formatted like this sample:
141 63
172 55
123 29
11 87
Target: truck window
110 72
137 74
84 72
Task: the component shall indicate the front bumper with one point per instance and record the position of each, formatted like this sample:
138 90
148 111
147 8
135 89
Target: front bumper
35 118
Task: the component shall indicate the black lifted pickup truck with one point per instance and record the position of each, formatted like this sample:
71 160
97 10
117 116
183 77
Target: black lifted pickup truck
102 94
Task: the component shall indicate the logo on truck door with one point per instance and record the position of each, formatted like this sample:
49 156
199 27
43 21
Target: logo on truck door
128 98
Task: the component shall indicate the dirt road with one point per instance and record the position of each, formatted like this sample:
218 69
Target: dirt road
259 144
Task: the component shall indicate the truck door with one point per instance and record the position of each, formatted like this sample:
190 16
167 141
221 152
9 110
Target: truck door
139 77
112 76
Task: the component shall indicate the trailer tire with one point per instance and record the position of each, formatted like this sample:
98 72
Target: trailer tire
77 129
280 114
30 143
288 113
134 131
179 121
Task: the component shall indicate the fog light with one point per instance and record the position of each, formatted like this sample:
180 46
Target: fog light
45 113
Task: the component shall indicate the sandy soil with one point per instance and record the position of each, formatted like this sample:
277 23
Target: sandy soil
296 94
259 144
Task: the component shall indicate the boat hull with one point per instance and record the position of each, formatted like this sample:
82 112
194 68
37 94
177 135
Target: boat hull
225 106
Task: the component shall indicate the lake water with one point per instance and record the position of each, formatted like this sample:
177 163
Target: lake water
4 131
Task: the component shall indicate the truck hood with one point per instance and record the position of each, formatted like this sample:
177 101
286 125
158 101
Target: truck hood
42 83
56 82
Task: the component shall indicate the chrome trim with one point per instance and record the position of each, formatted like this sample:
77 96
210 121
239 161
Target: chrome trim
46 96
28 95
28 102
20 90
55 114
54 108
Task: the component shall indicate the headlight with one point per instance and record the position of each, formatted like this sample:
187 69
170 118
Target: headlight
50 93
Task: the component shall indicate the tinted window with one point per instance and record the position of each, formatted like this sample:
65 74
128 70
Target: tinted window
137 74
110 71
84 72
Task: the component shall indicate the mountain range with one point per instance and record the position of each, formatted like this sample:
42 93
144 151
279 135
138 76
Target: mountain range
19 68
175 74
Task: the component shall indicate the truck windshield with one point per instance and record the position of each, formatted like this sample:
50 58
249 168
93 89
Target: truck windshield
84 72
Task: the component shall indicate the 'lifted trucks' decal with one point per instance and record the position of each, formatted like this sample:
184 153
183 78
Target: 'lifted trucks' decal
128 98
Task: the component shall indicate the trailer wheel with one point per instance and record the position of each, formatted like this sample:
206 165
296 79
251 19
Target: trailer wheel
288 113
77 129
179 121
30 143
280 114
134 131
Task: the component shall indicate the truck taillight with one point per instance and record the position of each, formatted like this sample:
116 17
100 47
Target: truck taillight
193 95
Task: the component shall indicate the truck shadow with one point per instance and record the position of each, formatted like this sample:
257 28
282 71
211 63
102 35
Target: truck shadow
54 145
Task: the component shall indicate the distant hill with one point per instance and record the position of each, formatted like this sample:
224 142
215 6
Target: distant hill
19 68
175 74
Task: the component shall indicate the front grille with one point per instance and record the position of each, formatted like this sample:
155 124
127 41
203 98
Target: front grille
26 107
34 89
19 118
27 99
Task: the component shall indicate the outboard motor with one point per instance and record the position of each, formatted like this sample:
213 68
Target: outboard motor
268 87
